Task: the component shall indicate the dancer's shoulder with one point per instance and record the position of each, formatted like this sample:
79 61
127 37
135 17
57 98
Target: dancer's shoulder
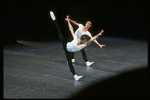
80 25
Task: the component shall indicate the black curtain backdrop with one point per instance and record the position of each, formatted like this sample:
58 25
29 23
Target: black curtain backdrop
31 20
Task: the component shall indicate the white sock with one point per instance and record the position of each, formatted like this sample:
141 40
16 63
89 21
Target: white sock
75 75
87 62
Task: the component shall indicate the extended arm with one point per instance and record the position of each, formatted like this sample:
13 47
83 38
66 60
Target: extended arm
94 38
70 26
101 46
74 22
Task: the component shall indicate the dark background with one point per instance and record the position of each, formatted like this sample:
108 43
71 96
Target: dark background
31 20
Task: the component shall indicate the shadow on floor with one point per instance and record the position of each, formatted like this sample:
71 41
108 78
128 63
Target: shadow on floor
129 83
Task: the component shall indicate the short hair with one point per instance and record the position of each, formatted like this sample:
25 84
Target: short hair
90 22
85 37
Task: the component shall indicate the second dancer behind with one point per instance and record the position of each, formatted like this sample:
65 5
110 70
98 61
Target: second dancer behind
83 30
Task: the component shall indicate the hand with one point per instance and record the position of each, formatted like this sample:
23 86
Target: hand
101 32
67 18
102 46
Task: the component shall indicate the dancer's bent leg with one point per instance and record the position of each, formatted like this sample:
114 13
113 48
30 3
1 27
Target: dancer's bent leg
84 55
85 58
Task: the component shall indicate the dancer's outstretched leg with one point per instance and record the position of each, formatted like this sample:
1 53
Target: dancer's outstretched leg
68 54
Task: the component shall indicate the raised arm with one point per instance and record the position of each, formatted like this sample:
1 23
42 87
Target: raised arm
70 26
74 22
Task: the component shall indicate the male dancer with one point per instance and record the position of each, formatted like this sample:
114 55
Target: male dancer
75 45
81 31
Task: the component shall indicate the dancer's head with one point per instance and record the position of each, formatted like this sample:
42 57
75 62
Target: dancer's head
88 24
84 39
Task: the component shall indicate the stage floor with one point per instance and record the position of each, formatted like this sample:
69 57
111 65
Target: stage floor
34 69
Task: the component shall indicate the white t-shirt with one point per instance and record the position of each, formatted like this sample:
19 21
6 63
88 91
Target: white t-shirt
73 47
79 31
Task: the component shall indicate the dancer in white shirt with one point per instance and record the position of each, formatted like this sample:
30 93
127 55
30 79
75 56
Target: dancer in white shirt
83 30
75 45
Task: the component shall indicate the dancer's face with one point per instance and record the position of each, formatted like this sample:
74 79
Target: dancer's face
88 24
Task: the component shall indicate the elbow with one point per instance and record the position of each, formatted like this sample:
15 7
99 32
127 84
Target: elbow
71 29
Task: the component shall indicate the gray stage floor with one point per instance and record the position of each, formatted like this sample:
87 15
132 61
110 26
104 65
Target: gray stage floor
39 69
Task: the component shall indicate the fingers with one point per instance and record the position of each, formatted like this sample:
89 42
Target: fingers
102 31
67 18
102 46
